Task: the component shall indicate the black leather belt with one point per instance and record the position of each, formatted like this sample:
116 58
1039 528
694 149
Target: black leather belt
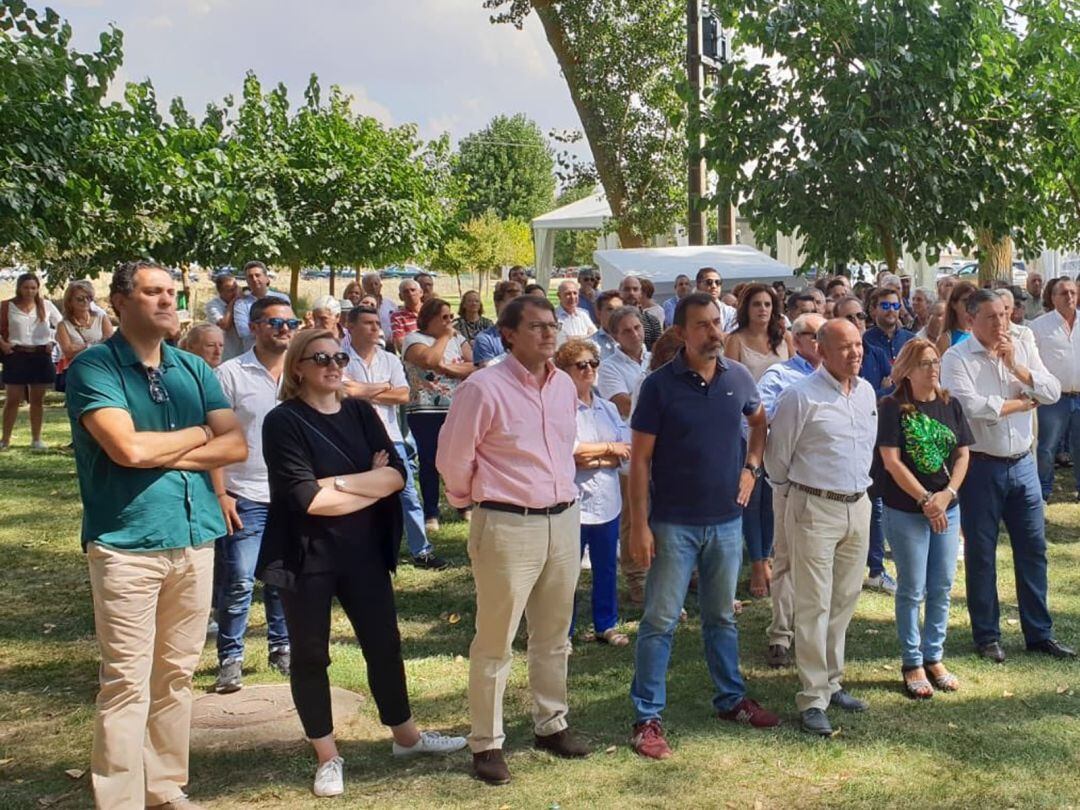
24 349
842 497
1000 459
513 508
1070 393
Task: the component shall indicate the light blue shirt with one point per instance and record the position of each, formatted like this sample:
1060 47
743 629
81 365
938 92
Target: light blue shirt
601 500
605 342
488 347
777 378
669 310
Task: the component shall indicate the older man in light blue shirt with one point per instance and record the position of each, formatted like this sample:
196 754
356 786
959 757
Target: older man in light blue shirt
777 379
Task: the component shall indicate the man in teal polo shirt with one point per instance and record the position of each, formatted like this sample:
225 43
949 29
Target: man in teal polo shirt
147 422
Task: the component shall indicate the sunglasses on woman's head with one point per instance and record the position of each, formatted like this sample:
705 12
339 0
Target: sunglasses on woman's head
581 365
323 359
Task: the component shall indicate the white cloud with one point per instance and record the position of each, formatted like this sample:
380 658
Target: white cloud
364 104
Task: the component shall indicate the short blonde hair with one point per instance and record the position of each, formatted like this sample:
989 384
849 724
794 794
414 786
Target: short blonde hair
69 295
570 351
290 384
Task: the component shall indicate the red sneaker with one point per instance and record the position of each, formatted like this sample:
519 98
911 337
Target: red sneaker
748 712
648 740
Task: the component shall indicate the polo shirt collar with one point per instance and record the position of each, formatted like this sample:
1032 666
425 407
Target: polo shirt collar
126 355
832 381
801 362
678 363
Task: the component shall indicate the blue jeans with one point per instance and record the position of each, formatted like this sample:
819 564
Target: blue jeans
758 522
875 555
602 540
1057 422
995 491
425 430
236 558
716 551
925 567
410 504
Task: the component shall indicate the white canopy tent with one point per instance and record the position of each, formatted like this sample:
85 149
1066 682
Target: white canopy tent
587 214
735 263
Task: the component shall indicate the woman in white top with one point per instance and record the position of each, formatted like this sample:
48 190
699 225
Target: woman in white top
81 327
648 290
437 359
603 443
27 328
759 341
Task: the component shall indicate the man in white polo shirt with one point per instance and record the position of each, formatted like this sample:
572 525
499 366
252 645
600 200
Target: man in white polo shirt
250 383
378 376
575 321
620 374
1058 341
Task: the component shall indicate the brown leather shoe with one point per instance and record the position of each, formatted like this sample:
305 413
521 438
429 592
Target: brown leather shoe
563 744
490 766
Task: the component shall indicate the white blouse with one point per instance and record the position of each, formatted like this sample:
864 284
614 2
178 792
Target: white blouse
25 329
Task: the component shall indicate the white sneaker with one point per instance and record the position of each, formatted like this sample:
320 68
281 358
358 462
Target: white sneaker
431 742
330 778
38 444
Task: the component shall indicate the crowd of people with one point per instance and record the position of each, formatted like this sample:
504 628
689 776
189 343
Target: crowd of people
803 432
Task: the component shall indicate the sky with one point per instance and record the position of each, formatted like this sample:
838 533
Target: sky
440 64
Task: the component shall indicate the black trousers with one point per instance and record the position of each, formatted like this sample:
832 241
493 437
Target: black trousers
366 595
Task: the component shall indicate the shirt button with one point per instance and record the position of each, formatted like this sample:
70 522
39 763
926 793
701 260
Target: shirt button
172 426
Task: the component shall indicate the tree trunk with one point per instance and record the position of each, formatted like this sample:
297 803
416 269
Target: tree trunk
294 281
333 278
888 247
607 163
457 278
995 257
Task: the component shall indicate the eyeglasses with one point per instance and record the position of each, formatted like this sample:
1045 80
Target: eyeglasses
292 324
934 363
711 282
322 359
811 335
855 317
544 326
581 365
887 305
158 392
83 299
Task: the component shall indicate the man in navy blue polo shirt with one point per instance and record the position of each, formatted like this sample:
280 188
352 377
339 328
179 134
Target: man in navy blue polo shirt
887 333
685 462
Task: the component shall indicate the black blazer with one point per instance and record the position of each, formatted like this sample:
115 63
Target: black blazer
296 457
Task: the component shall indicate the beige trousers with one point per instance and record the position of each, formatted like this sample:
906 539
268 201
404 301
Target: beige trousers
828 541
150 612
633 573
521 565
783 594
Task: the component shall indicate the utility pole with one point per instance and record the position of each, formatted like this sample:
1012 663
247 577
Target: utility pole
695 73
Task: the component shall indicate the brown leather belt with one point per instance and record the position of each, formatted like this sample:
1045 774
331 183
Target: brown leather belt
842 497
1002 459
513 508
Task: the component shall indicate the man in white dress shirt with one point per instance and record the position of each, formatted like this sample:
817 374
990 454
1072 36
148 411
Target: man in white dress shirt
821 445
620 374
708 281
999 381
371 283
576 322
1058 342
219 312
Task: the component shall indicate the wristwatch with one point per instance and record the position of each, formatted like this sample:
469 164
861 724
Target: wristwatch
339 484
755 470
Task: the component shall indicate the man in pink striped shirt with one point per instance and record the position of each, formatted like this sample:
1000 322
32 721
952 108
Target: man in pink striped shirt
507 446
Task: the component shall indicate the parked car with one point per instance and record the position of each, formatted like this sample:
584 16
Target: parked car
404 271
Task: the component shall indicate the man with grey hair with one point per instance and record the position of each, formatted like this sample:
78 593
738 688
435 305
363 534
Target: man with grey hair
1033 307
999 381
632 296
620 374
371 283
403 319
820 450
922 301
207 341
777 379
575 321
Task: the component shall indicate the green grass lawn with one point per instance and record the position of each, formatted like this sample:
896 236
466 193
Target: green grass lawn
1009 738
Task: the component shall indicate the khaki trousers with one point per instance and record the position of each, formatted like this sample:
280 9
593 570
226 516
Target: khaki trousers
150 612
632 572
521 565
828 541
781 590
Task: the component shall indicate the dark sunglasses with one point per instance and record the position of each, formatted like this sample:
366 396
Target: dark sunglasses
856 316
158 392
322 359
887 305
276 323
581 365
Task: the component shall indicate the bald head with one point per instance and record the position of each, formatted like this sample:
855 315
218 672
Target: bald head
841 347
